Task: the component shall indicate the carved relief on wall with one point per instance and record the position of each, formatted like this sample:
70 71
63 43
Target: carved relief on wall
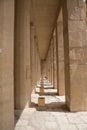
77 55
76 9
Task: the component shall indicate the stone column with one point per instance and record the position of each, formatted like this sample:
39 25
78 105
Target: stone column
51 47
31 50
53 65
51 61
39 67
55 61
50 70
22 70
32 40
38 64
49 55
47 66
75 43
6 64
61 54
35 60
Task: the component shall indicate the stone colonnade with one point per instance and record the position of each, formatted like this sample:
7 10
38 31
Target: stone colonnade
20 65
71 62
26 56
19 59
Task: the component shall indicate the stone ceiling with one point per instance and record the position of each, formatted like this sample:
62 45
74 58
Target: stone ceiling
45 13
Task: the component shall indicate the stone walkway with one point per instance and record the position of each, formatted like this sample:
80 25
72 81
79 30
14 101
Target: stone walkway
54 116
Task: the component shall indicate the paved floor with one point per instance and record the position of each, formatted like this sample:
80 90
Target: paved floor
54 116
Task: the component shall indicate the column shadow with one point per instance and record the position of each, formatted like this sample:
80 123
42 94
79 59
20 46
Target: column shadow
52 107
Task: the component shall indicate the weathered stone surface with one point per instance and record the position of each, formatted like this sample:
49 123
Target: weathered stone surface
75 61
22 70
6 64
55 61
61 55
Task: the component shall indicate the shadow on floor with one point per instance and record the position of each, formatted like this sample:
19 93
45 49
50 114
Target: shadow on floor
17 114
52 107
48 93
46 87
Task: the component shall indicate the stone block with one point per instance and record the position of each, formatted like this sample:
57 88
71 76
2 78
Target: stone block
41 101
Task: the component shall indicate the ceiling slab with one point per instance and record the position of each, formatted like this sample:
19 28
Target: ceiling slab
45 12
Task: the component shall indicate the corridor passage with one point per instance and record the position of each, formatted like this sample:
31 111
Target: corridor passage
53 116
44 39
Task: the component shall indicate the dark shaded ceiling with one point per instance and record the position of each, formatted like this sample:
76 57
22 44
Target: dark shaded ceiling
45 13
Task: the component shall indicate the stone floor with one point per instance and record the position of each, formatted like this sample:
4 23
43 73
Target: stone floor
54 116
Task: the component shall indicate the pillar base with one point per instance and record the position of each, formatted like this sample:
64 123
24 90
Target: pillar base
41 101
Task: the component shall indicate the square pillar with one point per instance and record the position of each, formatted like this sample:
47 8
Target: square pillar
33 54
22 71
61 54
75 44
41 101
6 64
56 66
